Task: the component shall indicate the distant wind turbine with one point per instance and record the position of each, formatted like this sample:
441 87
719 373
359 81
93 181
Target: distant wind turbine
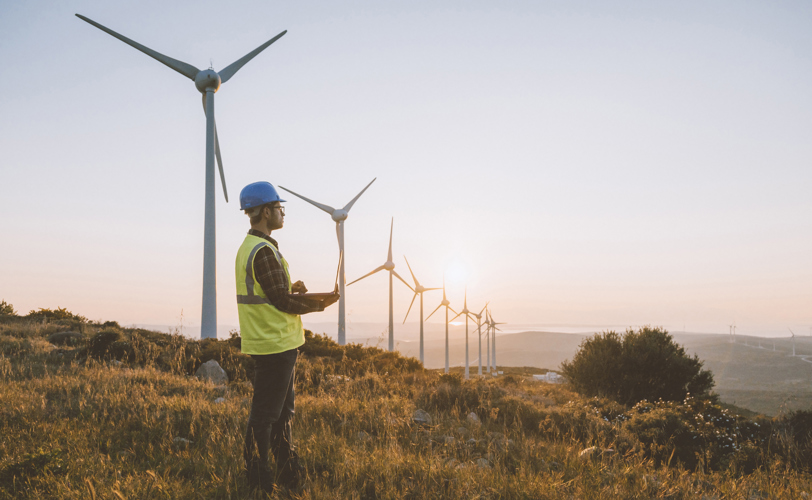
479 330
339 216
389 265
467 313
207 82
447 305
493 327
793 340
418 290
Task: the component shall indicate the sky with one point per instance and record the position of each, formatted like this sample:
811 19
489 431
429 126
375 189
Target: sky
571 163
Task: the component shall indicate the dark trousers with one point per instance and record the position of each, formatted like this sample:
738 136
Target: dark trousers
272 409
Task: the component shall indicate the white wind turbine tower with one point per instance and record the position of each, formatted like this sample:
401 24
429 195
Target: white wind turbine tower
389 265
207 82
467 313
479 330
418 290
493 328
793 340
339 216
447 305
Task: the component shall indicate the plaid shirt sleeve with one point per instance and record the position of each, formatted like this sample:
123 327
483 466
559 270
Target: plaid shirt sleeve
274 282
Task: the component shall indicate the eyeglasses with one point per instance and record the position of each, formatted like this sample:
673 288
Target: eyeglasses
281 209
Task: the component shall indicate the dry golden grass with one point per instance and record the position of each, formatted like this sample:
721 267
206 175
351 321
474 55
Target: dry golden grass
97 429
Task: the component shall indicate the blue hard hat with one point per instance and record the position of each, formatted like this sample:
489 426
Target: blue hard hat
257 194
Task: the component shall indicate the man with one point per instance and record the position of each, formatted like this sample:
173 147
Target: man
271 331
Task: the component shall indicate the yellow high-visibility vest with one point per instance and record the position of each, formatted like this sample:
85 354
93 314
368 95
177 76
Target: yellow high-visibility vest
264 328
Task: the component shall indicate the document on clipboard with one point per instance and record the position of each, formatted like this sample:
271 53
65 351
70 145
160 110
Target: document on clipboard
326 295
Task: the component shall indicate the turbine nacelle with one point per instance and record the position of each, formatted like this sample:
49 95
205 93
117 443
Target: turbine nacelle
389 265
206 80
339 215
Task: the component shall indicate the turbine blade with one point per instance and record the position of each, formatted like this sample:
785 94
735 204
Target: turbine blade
412 273
483 309
217 152
452 310
181 67
220 161
380 268
338 229
232 68
410 308
338 271
427 289
401 279
326 208
455 317
349 205
434 311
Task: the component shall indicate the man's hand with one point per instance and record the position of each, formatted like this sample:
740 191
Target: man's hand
298 287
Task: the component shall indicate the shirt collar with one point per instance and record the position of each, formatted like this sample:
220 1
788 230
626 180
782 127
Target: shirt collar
262 235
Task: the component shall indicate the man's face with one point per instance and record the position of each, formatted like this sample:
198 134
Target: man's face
277 217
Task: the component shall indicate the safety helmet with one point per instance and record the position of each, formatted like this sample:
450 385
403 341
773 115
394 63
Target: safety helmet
257 194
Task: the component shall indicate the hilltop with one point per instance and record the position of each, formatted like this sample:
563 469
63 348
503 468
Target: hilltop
116 413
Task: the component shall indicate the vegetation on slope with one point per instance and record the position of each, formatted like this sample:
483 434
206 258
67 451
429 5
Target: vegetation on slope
115 413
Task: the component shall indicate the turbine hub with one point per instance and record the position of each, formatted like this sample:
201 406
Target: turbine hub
388 265
207 80
419 289
445 303
339 215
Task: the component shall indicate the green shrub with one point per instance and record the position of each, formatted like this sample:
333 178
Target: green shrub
692 432
60 313
640 365
99 345
6 309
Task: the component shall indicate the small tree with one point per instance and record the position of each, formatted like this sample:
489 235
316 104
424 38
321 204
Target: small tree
643 364
6 309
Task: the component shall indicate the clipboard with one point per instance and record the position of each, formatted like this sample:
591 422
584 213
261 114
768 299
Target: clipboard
325 295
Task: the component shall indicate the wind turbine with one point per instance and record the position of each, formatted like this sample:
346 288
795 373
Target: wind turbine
418 290
339 216
493 327
467 313
207 82
479 329
793 340
389 265
447 305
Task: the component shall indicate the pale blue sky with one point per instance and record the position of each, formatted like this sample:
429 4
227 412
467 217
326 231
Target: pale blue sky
585 162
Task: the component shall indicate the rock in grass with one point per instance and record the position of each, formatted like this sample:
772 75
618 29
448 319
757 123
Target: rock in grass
182 443
473 418
483 463
421 417
220 400
363 436
211 371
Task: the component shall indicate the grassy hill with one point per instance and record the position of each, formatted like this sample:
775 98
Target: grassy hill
116 414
